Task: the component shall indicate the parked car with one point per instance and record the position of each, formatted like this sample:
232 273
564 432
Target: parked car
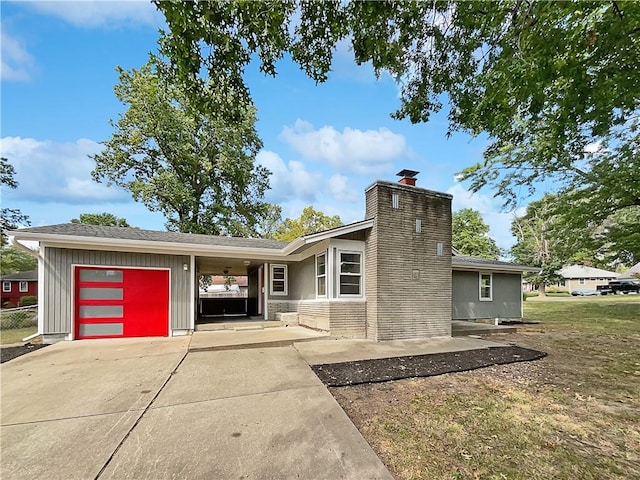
584 293
625 286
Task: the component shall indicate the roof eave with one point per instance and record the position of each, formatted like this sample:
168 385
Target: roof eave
327 234
174 248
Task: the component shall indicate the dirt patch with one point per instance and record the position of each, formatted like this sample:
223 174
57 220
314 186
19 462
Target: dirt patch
9 353
383 370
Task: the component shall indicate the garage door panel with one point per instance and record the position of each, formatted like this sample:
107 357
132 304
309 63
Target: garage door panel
121 302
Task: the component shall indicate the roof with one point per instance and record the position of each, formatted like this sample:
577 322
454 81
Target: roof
462 262
581 271
632 272
125 233
29 275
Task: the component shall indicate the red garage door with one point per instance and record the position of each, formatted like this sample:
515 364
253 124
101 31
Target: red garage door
121 302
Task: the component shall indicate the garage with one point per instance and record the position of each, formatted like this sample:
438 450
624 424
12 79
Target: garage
121 302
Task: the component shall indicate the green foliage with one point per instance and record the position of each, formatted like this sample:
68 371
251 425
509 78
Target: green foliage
471 235
105 219
193 166
28 300
554 85
13 259
537 243
270 221
10 218
310 221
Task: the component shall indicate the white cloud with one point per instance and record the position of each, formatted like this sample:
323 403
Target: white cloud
489 208
340 190
17 63
56 172
91 14
289 180
362 152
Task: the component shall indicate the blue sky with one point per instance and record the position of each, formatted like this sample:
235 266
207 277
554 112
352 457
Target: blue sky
324 143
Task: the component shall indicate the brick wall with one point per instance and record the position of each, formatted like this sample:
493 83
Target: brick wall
341 319
408 285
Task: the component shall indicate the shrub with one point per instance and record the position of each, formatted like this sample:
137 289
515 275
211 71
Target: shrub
28 300
555 289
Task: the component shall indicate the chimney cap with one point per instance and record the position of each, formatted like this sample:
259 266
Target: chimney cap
407 173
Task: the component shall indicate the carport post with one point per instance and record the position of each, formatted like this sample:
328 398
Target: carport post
192 271
265 293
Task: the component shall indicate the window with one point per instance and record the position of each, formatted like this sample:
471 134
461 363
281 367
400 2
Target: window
486 287
6 286
418 225
278 280
350 273
581 281
395 200
24 286
321 274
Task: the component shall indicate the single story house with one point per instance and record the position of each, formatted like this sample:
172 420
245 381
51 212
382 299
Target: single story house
579 277
18 285
393 275
633 272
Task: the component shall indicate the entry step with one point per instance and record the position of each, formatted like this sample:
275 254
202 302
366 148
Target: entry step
237 325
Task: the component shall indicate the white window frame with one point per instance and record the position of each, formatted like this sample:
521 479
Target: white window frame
490 297
6 286
324 275
338 273
26 286
272 269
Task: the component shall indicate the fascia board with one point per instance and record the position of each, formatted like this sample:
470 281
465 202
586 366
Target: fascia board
494 268
317 237
66 241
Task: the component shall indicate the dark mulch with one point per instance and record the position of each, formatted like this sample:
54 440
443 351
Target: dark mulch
9 353
382 370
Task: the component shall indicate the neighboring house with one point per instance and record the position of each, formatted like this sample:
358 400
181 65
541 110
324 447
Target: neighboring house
633 272
579 277
18 285
391 276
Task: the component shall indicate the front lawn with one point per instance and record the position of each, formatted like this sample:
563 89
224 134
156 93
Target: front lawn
572 415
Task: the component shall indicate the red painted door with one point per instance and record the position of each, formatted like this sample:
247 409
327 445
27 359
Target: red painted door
121 302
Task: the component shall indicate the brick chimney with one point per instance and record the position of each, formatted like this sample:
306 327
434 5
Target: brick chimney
408 177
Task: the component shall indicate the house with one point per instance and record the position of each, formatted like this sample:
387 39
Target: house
391 276
577 277
633 272
18 285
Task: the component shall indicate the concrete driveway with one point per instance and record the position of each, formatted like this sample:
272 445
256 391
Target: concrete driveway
142 408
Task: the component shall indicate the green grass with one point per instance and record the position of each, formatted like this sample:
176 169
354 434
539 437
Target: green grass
572 415
618 315
16 335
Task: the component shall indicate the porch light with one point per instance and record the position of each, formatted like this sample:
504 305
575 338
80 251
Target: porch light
185 267
246 263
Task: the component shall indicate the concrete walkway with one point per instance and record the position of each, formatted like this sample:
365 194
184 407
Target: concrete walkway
149 408
268 337
337 351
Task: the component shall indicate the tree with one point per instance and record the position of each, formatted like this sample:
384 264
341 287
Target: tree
471 235
105 219
270 221
537 242
310 221
554 85
194 167
13 259
10 218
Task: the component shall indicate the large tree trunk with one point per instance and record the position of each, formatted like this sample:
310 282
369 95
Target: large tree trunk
542 289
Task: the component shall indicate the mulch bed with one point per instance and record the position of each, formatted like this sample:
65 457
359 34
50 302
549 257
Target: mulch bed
9 353
383 370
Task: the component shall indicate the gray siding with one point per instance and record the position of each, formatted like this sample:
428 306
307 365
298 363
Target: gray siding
58 283
408 286
302 278
466 304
